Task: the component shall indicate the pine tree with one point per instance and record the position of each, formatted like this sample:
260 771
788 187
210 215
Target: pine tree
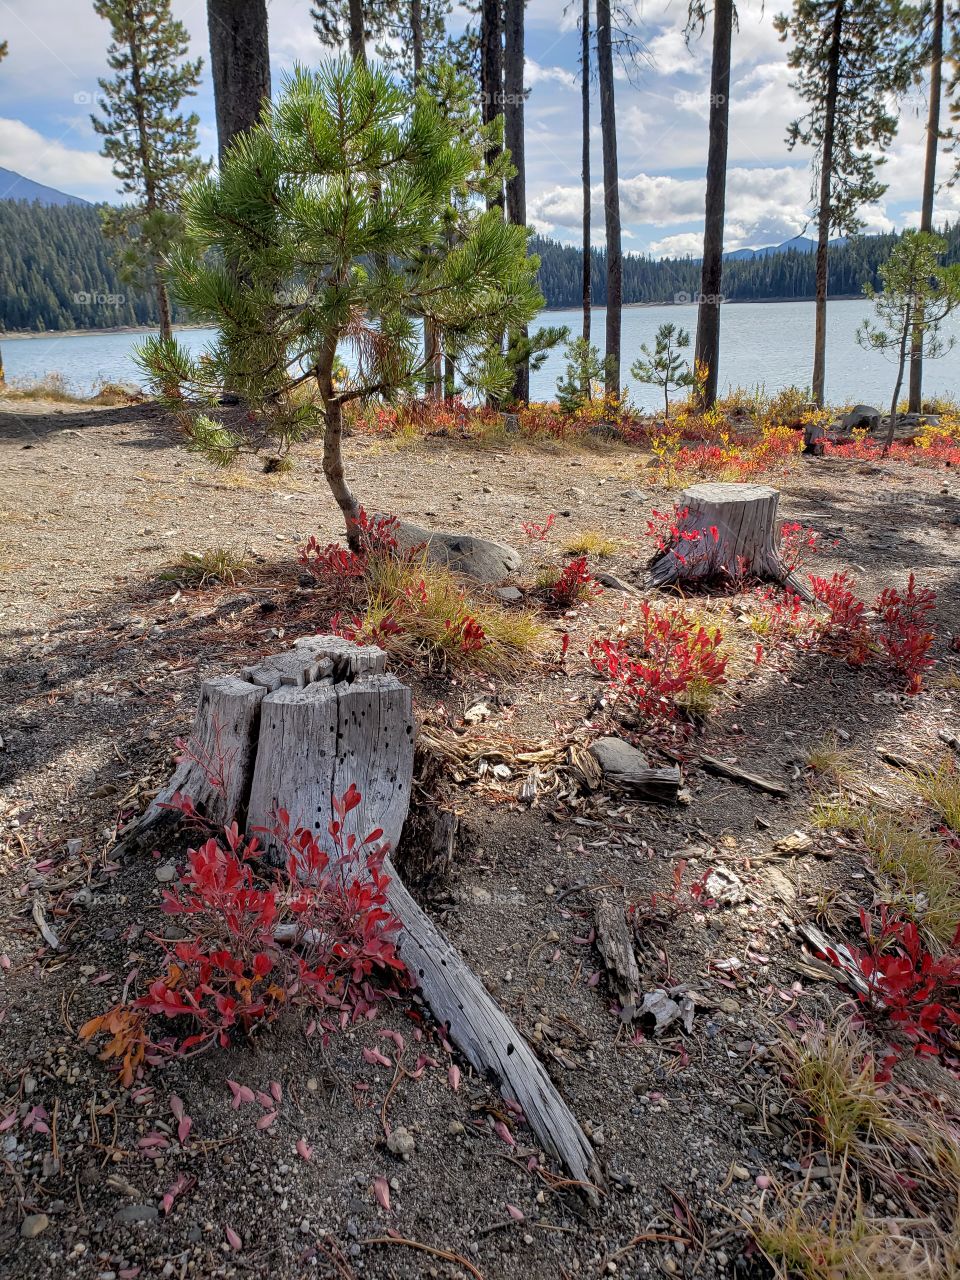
513 98
934 58
352 23
665 366
152 146
917 296
707 351
587 300
584 369
611 196
849 58
336 210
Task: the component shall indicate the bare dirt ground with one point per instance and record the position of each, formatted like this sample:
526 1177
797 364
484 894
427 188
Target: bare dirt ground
102 660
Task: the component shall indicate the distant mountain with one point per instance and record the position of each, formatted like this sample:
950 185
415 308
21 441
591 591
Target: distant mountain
799 244
14 186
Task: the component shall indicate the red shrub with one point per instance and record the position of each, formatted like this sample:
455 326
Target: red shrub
313 934
575 585
845 630
537 532
917 991
661 661
903 636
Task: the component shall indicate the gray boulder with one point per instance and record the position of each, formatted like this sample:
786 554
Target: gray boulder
861 415
479 558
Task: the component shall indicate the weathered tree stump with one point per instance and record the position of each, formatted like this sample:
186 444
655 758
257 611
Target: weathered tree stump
737 534
298 731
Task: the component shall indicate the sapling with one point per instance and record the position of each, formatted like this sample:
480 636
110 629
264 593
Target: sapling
351 217
918 295
665 366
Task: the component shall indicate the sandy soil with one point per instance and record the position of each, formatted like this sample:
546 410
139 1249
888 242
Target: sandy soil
101 664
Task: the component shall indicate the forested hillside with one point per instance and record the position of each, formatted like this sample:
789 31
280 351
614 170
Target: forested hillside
56 272
779 275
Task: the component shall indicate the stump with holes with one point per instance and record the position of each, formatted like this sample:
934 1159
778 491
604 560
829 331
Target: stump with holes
732 530
294 733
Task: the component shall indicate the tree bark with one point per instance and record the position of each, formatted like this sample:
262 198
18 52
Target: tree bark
333 468
239 64
358 43
824 209
706 361
513 99
585 162
491 75
163 305
915 404
416 29
901 365
739 536
611 197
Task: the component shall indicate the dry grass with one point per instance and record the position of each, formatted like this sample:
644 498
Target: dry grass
922 866
200 568
940 787
431 608
54 387
833 762
591 542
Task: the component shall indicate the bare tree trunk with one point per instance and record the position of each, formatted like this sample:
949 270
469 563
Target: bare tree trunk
517 185
358 44
416 28
611 197
333 468
491 74
239 63
585 161
915 403
163 306
706 359
892 429
824 210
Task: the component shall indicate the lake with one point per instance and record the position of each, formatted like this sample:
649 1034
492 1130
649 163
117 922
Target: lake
762 344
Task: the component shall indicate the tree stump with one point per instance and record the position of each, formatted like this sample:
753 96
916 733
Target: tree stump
296 733
737 533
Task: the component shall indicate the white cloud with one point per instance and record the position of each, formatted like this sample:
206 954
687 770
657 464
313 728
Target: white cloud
52 162
534 73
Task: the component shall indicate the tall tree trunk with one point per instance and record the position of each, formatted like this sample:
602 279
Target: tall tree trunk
145 152
585 160
239 63
892 428
491 74
824 209
929 186
611 196
513 98
416 28
358 44
706 360
163 306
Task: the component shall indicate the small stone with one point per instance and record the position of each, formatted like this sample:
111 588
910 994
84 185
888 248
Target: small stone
401 1142
137 1213
34 1225
166 873
313 1084
455 1127
740 1172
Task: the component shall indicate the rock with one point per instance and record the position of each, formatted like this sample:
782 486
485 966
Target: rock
166 873
509 595
400 1142
137 1213
861 415
614 583
33 1226
478 558
625 769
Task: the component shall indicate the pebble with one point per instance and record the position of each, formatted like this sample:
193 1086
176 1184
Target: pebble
34 1225
137 1213
166 873
401 1142
740 1172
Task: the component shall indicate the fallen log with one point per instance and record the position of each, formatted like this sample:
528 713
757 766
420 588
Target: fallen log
616 947
320 718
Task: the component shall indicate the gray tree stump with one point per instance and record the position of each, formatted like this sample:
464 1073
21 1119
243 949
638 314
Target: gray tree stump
747 541
301 729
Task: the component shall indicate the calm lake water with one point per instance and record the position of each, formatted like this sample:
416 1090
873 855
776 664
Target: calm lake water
762 345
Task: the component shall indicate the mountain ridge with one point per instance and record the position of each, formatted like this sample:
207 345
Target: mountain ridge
14 186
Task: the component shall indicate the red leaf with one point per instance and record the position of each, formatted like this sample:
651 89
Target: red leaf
381 1190
453 1077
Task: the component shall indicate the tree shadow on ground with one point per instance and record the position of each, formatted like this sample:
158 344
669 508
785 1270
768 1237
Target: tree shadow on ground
30 426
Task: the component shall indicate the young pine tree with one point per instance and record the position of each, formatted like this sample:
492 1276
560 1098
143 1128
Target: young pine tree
918 295
849 58
153 147
336 211
586 369
665 366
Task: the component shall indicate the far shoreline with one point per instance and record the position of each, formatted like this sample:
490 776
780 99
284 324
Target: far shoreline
17 335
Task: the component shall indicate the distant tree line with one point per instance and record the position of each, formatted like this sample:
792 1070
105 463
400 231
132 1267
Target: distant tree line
787 275
57 272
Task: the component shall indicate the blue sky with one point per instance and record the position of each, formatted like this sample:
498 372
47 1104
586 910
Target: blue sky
57 47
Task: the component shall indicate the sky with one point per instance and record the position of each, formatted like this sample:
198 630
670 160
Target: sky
48 86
